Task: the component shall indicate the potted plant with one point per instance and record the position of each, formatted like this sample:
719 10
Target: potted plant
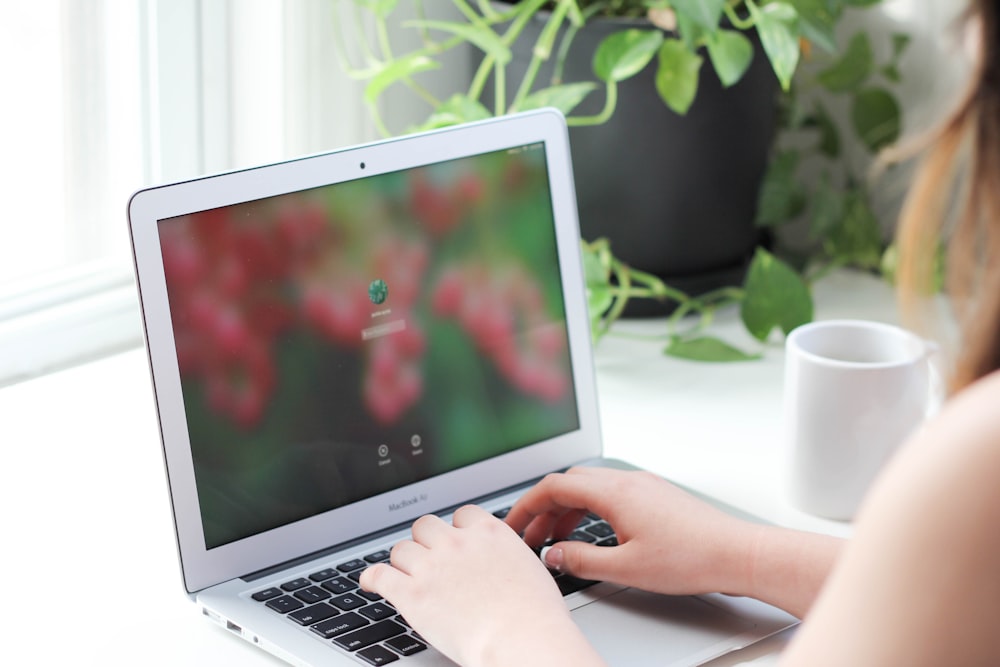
692 57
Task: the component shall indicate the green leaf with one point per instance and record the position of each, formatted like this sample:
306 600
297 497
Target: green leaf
565 97
731 53
677 75
857 239
891 72
706 348
778 27
853 68
396 70
599 300
623 54
876 117
829 136
900 41
862 3
596 268
456 109
818 18
600 295
827 209
479 35
781 196
690 32
705 13
889 263
776 296
792 112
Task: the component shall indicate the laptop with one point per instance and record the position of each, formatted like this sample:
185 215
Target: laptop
341 343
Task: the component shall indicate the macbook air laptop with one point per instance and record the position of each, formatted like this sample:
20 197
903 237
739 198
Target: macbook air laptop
341 343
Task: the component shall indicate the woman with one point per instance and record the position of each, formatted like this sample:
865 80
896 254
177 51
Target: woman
918 584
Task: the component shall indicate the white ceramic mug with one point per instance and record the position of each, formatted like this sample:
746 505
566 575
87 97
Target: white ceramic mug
854 391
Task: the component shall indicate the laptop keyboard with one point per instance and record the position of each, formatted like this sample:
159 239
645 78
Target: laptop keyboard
330 603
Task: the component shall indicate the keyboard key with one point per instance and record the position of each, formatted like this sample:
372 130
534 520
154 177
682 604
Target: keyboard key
581 536
313 614
377 611
267 594
295 584
355 576
339 625
323 575
608 542
349 601
378 556
368 635
601 529
352 565
502 513
312 594
284 604
405 644
376 655
368 595
339 585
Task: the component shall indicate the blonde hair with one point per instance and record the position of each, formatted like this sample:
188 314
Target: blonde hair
955 197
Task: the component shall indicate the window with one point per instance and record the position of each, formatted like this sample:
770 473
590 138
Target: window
113 95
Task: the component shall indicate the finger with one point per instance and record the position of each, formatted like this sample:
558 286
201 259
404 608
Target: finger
406 556
429 529
540 528
587 561
567 524
469 515
577 489
383 579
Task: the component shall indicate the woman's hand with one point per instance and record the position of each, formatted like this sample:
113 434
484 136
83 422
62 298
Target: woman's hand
477 593
669 541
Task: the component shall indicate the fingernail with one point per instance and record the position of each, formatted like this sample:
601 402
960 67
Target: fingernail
552 556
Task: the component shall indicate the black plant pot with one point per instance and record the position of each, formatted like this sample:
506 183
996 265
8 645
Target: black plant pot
676 195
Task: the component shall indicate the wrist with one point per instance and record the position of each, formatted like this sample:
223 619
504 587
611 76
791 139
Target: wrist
734 569
787 568
542 639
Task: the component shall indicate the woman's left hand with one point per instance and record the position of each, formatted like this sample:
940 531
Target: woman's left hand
478 593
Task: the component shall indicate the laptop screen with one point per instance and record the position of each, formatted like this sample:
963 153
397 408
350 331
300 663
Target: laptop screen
339 342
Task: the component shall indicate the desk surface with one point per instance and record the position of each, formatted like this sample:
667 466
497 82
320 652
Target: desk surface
85 510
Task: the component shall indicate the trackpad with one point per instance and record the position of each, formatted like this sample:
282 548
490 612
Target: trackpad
634 627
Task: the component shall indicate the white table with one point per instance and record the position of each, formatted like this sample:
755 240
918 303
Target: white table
85 512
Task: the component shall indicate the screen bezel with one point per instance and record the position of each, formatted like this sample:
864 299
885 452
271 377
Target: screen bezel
203 567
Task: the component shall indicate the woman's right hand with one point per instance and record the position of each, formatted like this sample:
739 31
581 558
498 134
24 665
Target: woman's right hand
669 541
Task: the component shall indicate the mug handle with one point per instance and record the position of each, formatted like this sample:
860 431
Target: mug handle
935 383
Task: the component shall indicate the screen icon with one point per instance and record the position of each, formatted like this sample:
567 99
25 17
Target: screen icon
378 291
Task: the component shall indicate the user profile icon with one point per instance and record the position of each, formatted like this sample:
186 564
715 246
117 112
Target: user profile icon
383 451
378 292
415 440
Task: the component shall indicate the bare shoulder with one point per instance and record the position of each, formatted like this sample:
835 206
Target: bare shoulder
919 583
964 438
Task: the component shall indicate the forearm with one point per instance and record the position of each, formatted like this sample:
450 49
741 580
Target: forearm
787 568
